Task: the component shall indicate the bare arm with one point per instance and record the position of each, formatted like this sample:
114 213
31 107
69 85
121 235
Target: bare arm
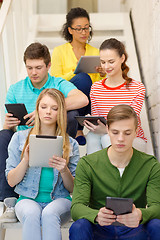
60 164
76 99
17 174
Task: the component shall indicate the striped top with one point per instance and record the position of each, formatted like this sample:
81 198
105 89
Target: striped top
103 98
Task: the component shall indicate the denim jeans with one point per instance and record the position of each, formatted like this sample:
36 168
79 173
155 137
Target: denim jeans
83 82
5 189
82 229
47 217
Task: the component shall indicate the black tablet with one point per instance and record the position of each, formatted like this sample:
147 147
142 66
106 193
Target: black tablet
18 110
92 119
119 206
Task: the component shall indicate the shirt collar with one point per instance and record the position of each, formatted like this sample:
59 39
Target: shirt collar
44 86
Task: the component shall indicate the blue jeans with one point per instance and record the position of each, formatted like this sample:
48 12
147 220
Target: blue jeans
72 124
83 82
47 217
82 229
5 189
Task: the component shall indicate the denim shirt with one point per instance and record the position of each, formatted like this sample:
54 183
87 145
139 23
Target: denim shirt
29 185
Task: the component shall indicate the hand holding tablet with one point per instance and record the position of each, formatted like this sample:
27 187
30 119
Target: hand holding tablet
18 110
92 119
119 206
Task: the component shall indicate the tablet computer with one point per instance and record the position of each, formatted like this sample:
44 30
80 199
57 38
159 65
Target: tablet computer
92 119
87 64
119 206
18 110
41 148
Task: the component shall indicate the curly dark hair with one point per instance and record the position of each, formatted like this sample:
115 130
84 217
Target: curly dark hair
72 14
113 43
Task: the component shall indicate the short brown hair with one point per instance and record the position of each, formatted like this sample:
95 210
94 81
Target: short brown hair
37 51
121 112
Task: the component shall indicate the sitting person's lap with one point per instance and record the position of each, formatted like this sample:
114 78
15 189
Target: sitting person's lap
83 229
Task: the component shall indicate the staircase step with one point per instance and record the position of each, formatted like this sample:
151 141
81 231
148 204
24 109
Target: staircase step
52 42
99 21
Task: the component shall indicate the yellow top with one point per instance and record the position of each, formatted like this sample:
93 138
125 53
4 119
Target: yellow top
64 61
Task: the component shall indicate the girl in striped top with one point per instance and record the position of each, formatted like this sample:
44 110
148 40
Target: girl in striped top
116 89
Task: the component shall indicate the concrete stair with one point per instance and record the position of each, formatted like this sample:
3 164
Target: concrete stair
105 25
45 29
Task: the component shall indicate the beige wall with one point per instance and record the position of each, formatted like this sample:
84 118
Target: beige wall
89 5
63 6
110 5
146 19
51 6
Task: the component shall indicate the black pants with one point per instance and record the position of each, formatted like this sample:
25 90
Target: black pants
5 189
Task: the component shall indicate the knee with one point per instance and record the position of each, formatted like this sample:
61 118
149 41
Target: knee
48 212
30 217
5 137
153 226
71 115
6 133
27 213
85 76
81 229
51 218
93 139
83 82
72 123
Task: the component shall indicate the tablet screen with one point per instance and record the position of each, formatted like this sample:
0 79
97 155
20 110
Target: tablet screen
92 119
87 64
41 148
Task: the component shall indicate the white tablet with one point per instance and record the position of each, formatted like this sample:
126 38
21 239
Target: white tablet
41 148
87 64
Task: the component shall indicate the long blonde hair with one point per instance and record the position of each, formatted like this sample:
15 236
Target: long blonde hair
61 125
